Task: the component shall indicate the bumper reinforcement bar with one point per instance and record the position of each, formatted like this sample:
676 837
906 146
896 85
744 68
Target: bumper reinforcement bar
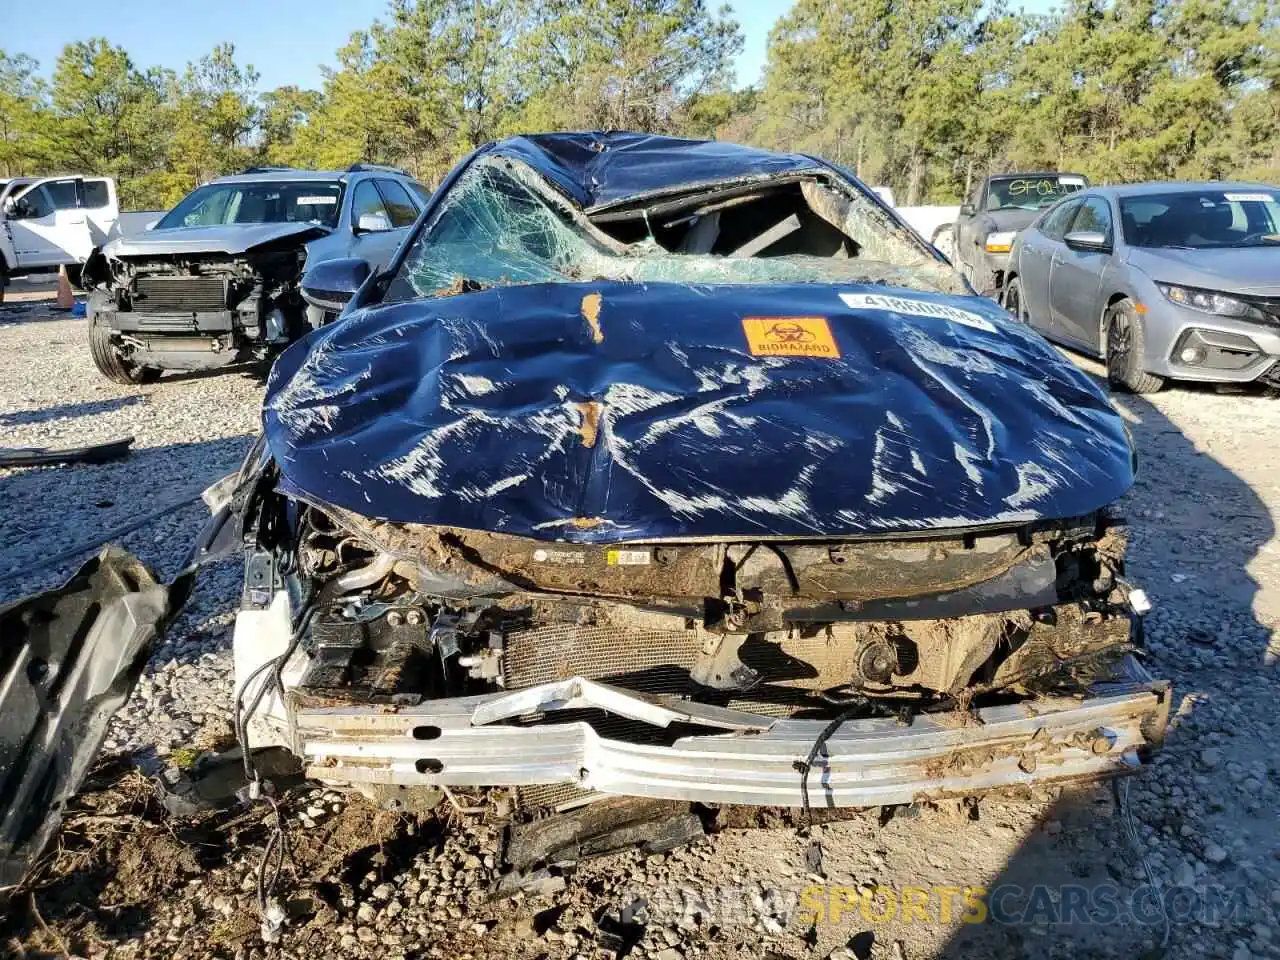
741 758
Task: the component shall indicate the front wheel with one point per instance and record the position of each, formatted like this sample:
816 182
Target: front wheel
1013 301
944 241
111 361
1125 349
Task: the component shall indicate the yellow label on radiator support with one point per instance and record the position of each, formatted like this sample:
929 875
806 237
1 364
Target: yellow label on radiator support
627 558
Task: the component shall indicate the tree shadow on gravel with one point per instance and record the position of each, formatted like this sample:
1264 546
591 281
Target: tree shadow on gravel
1077 885
256 370
47 510
69 411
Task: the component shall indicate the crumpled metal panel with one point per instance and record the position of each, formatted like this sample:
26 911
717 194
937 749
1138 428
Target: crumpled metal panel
607 411
604 169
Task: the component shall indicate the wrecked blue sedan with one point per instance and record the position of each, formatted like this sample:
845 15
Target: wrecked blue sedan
669 469
648 459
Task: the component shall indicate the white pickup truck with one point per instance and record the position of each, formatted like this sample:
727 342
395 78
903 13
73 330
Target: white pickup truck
51 222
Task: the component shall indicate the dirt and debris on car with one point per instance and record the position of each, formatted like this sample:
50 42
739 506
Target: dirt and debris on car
683 471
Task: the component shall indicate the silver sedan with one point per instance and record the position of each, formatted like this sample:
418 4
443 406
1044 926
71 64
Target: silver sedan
1163 280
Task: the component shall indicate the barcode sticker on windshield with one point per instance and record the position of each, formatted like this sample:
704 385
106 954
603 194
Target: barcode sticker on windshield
1247 197
312 201
919 308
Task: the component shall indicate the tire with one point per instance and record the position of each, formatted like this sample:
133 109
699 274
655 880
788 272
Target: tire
1014 303
944 239
111 363
1125 341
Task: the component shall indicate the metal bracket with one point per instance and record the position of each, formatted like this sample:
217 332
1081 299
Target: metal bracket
718 665
260 581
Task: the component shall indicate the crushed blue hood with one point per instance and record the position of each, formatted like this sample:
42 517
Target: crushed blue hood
604 169
608 411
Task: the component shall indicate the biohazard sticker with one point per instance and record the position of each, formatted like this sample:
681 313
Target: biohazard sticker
919 308
790 337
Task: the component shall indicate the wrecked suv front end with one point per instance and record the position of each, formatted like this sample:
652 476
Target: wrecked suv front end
724 491
198 302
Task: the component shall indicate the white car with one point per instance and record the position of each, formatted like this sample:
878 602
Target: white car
52 222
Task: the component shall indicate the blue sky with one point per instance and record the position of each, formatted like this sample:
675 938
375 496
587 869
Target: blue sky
285 40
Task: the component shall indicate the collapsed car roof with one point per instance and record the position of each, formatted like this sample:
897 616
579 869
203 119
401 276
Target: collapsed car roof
601 170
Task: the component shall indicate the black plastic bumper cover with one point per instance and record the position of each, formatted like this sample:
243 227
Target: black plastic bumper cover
69 659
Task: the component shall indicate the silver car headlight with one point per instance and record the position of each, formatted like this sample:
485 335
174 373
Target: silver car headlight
1000 241
1209 301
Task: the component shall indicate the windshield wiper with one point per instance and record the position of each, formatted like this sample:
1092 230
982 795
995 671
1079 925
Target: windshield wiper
1264 240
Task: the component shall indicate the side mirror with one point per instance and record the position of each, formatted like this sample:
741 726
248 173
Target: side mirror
151 225
372 223
967 210
1087 240
331 285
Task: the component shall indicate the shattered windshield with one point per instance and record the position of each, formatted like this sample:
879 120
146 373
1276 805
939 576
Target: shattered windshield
502 225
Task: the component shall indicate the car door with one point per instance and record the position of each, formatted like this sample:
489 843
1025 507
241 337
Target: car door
965 224
47 226
1075 281
374 224
29 222
101 210
1038 246
403 210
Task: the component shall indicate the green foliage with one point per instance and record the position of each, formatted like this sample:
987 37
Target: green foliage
931 95
927 96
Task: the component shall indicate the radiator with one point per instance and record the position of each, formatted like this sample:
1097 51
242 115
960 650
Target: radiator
179 294
658 662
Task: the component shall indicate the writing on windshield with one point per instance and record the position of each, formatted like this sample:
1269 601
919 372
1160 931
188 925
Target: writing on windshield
1031 193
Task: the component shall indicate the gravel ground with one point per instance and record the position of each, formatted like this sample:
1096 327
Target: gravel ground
1204 517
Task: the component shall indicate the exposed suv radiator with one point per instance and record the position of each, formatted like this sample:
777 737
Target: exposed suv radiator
179 294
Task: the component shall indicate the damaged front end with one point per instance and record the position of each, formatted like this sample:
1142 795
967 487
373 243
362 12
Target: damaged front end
403 656
181 305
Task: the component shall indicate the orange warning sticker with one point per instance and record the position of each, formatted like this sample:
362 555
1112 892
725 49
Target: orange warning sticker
790 337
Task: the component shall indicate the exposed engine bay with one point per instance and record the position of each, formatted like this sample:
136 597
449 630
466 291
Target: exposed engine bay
194 310
409 656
